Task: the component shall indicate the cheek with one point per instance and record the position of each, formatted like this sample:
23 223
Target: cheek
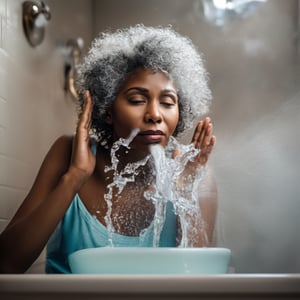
173 122
124 125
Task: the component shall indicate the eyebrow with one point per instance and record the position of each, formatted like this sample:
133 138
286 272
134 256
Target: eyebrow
144 90
140 89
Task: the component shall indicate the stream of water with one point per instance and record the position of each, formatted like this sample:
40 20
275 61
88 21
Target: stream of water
170 184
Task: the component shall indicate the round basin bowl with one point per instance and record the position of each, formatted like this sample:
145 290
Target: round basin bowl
134 260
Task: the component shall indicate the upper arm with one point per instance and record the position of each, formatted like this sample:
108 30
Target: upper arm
55 164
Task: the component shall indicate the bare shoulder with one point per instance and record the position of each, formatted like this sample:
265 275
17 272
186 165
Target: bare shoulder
55 164
60 153
63 142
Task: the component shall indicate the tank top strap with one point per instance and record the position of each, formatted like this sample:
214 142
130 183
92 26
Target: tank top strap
94 147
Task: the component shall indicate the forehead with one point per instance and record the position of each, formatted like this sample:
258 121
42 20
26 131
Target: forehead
148 78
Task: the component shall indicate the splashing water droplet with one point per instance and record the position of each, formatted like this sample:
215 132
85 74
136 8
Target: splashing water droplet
169 185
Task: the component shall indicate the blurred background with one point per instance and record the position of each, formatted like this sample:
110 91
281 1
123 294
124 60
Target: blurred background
251 51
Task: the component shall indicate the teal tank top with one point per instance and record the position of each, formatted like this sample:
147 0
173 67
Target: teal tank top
79 230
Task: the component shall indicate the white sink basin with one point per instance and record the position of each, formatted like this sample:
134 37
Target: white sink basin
125 260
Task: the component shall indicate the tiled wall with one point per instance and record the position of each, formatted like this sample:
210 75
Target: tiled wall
34 109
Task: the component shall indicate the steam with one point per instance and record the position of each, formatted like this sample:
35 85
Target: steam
258 181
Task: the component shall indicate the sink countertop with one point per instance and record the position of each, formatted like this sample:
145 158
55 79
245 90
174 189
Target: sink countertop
236 286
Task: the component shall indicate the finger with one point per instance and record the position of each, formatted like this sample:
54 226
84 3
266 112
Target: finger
208 135
211 145
197 132
89 108
85 118
202 135
206 151
213 140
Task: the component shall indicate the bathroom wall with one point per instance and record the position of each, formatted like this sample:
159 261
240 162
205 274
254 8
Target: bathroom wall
34 109
253 61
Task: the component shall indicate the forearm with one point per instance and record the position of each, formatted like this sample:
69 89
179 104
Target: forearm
196 226
208 203
22 242
200 224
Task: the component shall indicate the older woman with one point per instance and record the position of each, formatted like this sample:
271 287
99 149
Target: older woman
145 83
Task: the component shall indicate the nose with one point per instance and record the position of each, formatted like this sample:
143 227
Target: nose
153 114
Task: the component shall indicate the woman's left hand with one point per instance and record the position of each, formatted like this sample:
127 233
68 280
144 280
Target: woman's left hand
204 140
201 224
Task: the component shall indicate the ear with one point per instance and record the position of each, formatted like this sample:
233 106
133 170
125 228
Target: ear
108 118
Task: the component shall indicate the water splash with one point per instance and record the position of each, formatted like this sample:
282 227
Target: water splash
170 184
120 179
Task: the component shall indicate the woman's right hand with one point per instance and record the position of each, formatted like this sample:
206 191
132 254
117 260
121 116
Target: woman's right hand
83 161
66 167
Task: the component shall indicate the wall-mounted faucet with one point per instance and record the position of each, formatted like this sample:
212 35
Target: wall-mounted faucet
73 53
35 16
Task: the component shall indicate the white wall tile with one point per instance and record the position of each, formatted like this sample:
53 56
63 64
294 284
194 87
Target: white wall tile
34 109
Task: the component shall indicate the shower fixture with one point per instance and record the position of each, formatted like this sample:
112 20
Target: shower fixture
35 16
73 49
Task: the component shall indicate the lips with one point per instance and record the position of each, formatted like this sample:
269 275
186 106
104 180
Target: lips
151 132
152 136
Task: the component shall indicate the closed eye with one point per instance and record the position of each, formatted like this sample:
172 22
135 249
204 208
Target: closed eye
169 100
167 104
136 101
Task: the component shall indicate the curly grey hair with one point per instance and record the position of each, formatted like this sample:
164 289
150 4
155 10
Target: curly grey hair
114 55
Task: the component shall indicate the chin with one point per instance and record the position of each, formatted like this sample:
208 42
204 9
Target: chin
145 149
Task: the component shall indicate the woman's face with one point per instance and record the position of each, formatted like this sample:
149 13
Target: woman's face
148 102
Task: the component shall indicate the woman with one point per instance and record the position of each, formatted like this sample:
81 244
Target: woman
144 82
